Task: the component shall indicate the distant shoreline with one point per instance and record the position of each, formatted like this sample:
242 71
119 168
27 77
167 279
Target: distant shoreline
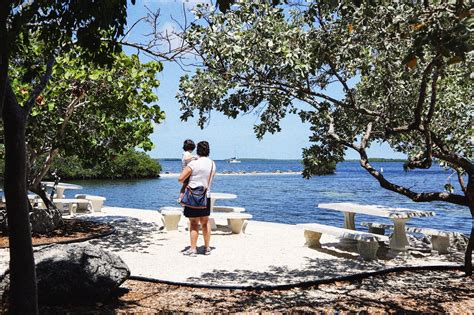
240 173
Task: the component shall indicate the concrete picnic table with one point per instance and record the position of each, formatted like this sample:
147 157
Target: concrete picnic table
61 187
399 216
215 196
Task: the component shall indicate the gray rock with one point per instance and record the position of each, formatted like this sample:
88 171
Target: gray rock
71 273
3 221
44 220
459 242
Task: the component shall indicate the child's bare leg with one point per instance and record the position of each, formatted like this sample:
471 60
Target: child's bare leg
183 188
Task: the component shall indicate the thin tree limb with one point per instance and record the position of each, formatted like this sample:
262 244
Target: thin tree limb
417 197
461 181
42 83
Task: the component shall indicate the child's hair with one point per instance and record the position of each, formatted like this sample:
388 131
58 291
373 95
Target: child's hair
189 145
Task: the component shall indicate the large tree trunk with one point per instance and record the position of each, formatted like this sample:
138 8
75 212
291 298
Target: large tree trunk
470 245
468 255
23 291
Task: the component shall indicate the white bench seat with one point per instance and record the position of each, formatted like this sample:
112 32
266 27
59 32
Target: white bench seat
237 221
73 205
439 239
227 209
96 201
367 243
171 217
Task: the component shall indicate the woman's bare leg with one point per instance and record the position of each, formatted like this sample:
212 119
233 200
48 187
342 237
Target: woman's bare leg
206 230
193 231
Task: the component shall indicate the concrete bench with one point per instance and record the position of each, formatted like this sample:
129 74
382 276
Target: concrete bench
96 201
227 209
236 221
171 217
377 228
367 243
73 205
439 239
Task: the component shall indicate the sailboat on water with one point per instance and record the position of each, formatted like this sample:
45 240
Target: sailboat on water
234 160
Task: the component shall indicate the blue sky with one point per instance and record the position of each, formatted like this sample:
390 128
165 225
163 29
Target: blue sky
227 137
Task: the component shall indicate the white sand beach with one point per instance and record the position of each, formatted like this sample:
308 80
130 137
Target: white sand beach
268 254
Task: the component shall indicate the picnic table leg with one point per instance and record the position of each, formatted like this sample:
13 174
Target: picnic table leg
59 192
211 220
399 241
349 223
72 209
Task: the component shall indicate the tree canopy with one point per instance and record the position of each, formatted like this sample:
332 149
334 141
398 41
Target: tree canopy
402 72
399 84
59 25
86 110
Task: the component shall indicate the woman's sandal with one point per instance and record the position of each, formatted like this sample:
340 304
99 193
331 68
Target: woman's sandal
190 252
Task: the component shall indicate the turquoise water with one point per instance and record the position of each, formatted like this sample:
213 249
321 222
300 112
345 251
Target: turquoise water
292 199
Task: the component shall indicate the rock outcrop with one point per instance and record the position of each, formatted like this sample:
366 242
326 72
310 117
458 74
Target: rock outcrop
44 220
68 273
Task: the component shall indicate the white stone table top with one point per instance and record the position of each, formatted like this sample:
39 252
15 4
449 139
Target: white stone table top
215 195
376 210
63 185
71 200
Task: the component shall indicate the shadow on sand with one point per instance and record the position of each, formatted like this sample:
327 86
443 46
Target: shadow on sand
131 234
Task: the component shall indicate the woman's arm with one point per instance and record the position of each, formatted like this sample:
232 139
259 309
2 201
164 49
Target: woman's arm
211 178
185 174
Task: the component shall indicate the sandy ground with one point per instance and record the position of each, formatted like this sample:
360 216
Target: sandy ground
267 254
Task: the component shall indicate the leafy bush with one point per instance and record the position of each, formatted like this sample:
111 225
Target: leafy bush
131 164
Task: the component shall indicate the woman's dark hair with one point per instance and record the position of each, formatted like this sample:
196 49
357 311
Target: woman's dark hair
189 145
203 148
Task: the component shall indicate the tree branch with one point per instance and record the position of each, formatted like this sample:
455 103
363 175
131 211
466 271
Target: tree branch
422 94
455 159
332 133
46 166
434 90
461 181
416 124
366 137
42 84
68 113
163 56
417 197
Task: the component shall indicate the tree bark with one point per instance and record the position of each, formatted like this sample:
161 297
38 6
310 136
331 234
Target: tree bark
468 255
23 290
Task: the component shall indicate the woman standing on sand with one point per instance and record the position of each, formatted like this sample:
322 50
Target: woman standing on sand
200 173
